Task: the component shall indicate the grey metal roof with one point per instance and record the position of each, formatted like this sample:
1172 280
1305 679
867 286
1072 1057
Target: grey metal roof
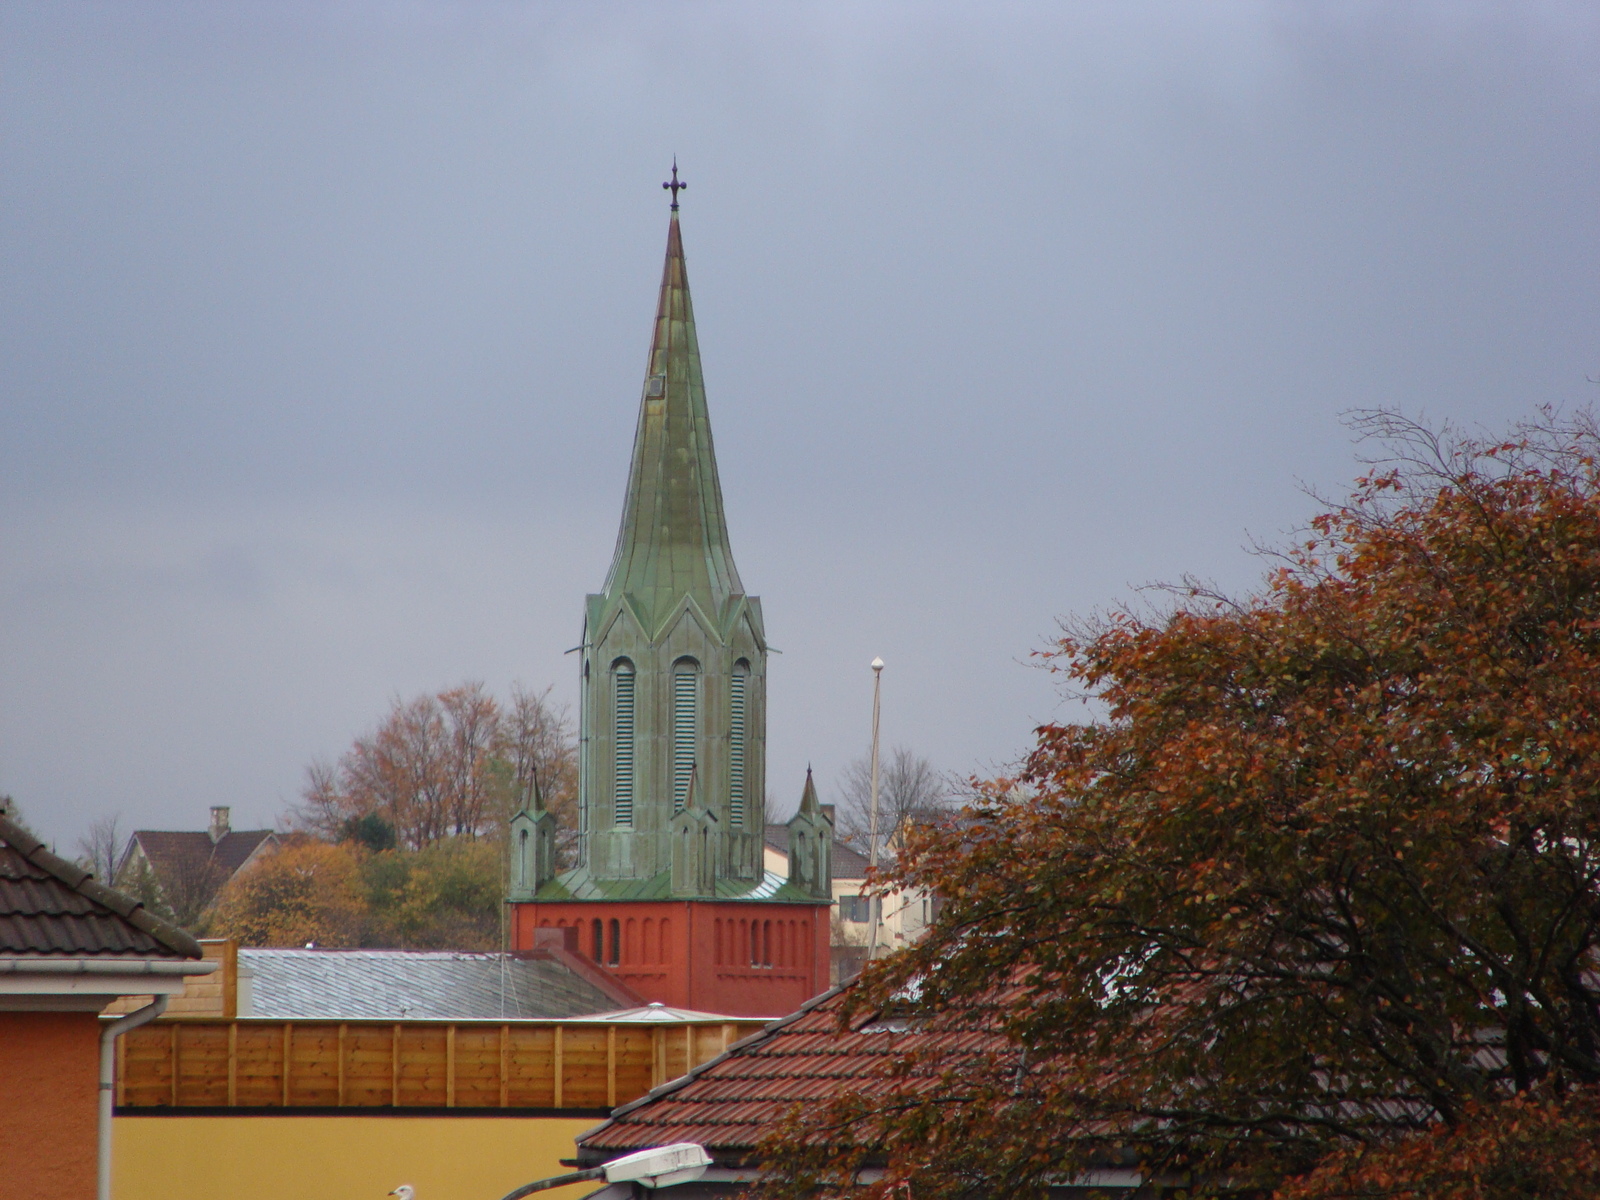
411 985
49 906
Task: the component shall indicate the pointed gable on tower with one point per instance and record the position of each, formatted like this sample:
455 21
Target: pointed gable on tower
811 846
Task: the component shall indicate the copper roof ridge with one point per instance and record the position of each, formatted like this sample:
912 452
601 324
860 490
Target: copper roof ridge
84 883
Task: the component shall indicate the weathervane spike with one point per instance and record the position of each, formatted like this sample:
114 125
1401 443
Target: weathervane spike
674 187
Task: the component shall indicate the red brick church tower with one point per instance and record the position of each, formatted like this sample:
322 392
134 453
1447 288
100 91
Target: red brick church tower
670 893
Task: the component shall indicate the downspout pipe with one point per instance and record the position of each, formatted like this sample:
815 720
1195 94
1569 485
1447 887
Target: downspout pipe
108 1066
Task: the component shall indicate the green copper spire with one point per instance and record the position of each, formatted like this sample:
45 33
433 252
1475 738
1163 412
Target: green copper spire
674 538
673 717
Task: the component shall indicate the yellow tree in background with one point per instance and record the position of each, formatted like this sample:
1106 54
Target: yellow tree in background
309 891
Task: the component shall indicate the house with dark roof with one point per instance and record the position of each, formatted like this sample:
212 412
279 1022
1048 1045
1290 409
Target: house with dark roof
69 946
183 869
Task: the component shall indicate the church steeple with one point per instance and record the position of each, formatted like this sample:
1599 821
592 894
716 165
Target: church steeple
671 892
675 655
673 541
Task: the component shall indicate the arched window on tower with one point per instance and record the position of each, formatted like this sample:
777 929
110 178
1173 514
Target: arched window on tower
622 679
738 705
685 727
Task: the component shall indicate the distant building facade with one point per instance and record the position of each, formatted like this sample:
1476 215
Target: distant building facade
671 892
905 915
182 870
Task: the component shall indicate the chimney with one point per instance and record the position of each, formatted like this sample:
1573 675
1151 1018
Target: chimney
828 811
219 822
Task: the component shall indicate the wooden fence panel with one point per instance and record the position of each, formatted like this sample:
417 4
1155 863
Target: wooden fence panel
477 1066
202 1065
584 1076
258 1068
369 1065
635 1062
313 1064
424 1055
531 1059
264 1064
147 1061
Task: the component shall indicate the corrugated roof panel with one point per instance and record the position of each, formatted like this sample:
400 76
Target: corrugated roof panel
413 985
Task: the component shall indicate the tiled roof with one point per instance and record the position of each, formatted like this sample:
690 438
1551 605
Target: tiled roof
848 862
730 1103
176 850
49 906
414 985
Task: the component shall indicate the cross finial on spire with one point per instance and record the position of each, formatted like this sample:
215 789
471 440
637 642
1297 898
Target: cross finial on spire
674 187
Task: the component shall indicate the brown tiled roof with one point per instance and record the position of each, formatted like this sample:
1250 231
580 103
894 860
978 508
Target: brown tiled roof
53 907
177 850
730 1103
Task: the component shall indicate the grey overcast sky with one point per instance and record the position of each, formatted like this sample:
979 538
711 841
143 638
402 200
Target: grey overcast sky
324 325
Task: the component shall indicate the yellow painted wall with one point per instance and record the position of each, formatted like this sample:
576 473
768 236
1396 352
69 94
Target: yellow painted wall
340 1157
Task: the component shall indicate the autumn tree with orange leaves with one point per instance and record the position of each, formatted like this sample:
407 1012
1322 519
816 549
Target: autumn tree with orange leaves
457 763
1315 906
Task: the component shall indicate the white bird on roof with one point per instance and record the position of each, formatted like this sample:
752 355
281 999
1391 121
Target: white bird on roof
405 1191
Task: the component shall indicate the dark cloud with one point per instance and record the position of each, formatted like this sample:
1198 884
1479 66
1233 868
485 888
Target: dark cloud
322 328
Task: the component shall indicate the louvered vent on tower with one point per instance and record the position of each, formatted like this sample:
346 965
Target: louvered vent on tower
622 788
736 738
685 727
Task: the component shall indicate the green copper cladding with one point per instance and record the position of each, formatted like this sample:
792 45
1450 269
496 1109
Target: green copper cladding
673 711
674 537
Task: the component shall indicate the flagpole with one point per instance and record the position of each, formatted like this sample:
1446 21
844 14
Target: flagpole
872 844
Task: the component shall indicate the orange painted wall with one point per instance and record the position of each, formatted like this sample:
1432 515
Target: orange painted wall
49 1078
739 959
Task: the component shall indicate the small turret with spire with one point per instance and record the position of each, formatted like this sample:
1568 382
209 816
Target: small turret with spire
811 846
533 844
696 847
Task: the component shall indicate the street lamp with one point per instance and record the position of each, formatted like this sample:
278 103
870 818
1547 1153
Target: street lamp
657 1167
876 902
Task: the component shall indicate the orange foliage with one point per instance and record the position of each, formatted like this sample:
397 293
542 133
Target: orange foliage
308 891
1326 877
1544 1148
453 764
